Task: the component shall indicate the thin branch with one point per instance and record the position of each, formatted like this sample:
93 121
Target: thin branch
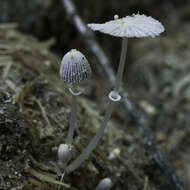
140 122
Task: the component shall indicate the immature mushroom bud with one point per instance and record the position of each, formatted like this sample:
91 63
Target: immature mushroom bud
104 184
74 67
64 151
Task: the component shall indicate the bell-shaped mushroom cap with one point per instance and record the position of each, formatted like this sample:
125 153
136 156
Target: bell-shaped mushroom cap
74 67
130 26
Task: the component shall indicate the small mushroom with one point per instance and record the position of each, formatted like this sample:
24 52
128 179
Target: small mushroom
64 151
74 69
104 184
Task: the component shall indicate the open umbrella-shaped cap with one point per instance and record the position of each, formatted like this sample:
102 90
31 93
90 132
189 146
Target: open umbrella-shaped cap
131 26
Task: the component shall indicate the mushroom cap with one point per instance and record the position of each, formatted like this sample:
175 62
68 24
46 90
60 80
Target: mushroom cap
74 67
131 26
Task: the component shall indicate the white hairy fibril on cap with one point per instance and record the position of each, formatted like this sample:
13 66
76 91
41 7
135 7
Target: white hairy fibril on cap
104 184
74 67
130 26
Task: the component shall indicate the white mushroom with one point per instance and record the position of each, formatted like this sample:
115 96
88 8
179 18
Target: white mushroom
129 27
104 184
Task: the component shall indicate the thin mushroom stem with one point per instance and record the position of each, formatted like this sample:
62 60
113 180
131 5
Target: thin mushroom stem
84 155
121 64
73 118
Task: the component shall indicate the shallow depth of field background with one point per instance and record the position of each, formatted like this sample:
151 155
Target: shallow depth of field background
157 73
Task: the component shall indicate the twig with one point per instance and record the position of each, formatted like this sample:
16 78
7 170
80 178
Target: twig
140 122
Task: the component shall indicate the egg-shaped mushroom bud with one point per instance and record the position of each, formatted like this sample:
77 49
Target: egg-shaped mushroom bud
74 69
104 184
64 151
